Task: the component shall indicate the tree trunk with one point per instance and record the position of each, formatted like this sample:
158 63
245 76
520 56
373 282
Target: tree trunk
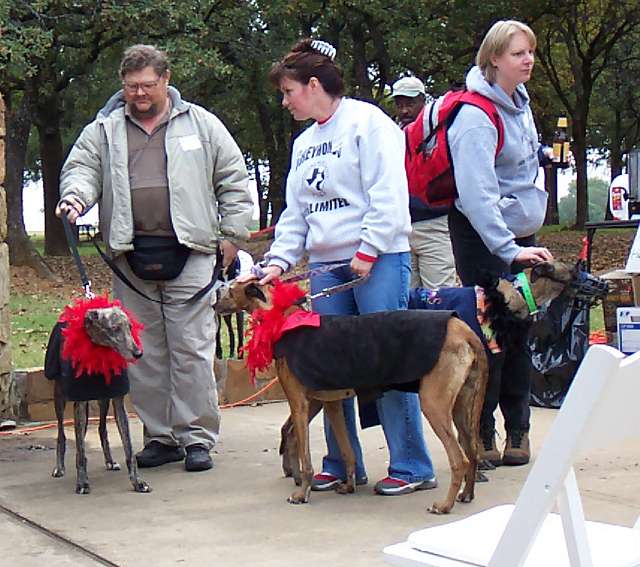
582 195
360 63
51 153
615 150
551 186
263 202
22 252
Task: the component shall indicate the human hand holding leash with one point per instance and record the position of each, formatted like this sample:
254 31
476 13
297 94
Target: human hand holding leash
71 207
531 255
267 274
229 252
360 268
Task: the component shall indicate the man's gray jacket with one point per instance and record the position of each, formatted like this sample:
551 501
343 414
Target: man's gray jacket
208 193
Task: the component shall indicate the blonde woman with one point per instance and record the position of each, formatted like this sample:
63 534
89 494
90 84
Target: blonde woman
499 210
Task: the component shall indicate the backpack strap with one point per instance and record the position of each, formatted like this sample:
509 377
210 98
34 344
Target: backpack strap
487 105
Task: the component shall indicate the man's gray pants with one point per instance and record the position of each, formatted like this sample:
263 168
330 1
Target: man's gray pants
173 388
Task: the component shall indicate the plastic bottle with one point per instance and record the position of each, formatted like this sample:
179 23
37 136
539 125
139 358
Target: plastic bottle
561 142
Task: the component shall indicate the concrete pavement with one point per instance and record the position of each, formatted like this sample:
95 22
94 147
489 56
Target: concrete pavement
237 514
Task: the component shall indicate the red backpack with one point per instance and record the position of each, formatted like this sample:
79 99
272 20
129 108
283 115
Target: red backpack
432 186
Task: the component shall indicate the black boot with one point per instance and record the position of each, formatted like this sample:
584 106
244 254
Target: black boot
198 458
155 454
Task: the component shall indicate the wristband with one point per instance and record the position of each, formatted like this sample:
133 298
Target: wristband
365 257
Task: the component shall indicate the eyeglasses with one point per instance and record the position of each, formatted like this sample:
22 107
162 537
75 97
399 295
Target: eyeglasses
146 86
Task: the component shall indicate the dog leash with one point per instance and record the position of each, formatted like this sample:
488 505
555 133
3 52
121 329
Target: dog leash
329 291
213 283
73 246
257 271
316 271
86 282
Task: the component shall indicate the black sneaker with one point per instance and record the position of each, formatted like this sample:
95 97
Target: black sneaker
198 458
155 454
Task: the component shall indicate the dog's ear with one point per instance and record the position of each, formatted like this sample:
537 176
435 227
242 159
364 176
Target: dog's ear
254 291
544 269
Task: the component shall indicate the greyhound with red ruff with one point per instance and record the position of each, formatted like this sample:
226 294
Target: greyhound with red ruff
88 352
392 346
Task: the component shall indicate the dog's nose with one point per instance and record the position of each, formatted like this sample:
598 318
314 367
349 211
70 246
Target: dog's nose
137 353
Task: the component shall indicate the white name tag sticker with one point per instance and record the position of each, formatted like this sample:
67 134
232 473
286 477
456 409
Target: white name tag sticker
190 143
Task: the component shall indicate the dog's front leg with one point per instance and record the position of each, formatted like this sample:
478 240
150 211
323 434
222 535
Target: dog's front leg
228 321
336 419
81 418
122 421
240 327
61 446
104 436
300 418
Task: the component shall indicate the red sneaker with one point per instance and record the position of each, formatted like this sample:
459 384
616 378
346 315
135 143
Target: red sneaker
391 486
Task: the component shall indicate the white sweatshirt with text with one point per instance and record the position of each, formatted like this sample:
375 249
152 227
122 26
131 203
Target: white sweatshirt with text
346 189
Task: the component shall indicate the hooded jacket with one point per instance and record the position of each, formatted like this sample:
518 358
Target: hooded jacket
208 193
497 194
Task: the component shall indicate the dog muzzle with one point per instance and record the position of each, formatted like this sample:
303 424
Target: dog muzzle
589 288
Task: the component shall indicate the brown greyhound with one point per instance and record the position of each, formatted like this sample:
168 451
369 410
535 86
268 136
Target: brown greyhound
453 389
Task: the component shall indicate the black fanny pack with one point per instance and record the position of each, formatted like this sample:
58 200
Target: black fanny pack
157 257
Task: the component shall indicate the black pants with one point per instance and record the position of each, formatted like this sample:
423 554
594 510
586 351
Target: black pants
509 371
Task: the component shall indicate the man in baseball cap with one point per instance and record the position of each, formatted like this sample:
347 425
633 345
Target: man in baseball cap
409 97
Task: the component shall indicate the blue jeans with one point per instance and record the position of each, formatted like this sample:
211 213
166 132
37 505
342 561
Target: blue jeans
386 289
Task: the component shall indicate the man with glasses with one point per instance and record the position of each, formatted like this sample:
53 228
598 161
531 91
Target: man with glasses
164 171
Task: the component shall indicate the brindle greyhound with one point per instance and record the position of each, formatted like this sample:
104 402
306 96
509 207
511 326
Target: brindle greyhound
109 327
452 391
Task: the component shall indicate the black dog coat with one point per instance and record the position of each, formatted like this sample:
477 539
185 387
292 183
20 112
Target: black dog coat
85 387
368 353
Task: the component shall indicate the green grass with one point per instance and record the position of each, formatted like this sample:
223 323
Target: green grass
86 247
32 318
596 319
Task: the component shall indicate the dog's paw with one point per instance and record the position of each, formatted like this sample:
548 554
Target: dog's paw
438 509
112 466
141 486
345 488
298 498
57 472
465 498
83 488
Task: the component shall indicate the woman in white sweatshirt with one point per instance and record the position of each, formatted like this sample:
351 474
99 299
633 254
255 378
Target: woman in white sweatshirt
347 201
498 211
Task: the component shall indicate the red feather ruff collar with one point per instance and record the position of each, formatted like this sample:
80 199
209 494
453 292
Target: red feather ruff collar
87 357
266 326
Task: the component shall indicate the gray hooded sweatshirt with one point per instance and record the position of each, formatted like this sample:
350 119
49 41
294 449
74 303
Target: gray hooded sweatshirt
497 194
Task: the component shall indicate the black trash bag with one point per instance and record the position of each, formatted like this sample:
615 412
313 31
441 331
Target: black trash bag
557 344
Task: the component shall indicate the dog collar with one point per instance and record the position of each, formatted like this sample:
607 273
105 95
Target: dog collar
525 289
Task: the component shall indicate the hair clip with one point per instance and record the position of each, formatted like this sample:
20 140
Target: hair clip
324 47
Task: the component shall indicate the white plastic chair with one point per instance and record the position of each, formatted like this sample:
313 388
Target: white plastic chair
600 410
